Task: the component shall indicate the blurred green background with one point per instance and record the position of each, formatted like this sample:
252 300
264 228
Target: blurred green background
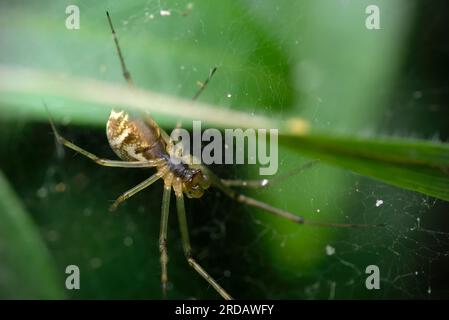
314 59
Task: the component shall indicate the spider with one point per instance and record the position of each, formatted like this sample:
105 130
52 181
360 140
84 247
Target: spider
141 143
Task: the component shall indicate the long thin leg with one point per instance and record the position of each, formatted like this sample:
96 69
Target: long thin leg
276 211
107 162
128 194
102 162
187 248
263 183
204 84
163 238
125 71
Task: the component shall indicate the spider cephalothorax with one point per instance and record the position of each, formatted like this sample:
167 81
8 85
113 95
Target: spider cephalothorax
195 183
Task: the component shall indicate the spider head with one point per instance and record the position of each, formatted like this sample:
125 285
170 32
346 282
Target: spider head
195 183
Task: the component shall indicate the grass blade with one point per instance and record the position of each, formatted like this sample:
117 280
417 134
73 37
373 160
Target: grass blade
26 269
417 165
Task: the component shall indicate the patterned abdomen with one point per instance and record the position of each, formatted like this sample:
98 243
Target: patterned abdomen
134 139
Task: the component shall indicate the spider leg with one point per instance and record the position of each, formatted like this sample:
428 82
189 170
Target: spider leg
128 194
166 137
204 84
163 238
263 183
128 78
102 162
233 194
187 248
127 74
125 71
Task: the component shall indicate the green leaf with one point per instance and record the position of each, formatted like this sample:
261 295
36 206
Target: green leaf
26 269
416 165
24 91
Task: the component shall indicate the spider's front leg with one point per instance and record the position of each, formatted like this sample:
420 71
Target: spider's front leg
225 187
263 183
145 184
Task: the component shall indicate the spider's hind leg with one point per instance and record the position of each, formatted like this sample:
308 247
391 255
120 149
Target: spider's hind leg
102 162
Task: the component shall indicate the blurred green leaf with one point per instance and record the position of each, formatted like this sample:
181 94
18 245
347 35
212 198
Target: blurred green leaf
26 269
416 165
25 91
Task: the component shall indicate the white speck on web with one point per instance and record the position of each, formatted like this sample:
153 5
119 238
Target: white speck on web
229 95
318 210
330 250
379 203
165 13
429 291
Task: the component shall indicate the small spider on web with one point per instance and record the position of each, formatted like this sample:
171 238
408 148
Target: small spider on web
141 143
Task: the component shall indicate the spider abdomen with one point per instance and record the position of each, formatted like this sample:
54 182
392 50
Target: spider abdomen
134 139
